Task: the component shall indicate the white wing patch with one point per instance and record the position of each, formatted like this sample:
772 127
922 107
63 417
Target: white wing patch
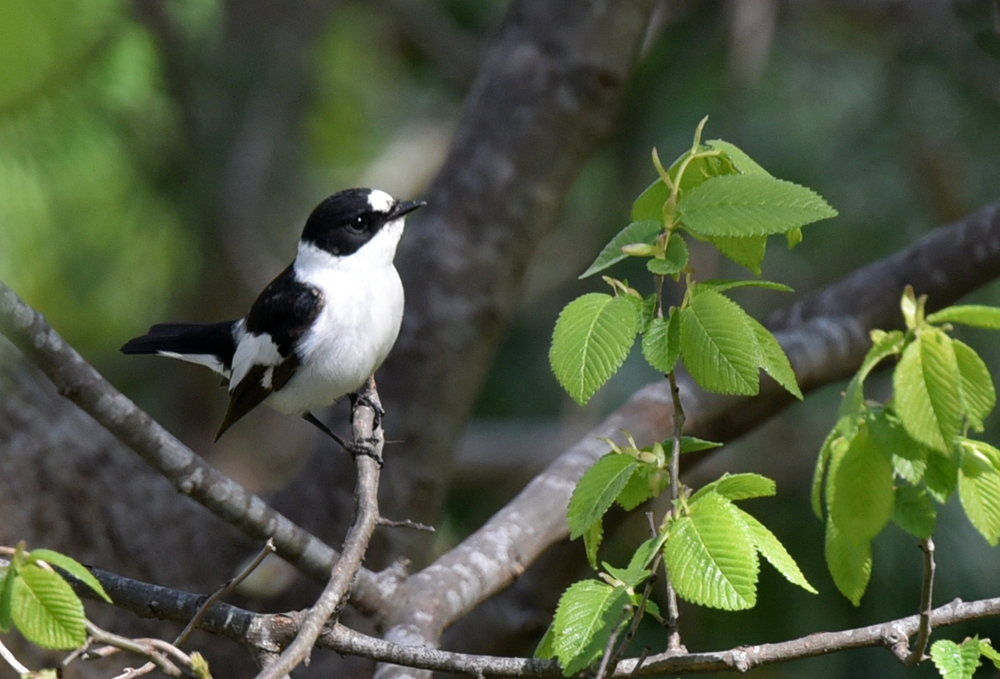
253 350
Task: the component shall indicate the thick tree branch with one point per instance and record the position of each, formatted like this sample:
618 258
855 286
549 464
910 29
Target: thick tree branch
81 383
274 630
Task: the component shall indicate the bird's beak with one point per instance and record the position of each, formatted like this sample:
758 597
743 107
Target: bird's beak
405 207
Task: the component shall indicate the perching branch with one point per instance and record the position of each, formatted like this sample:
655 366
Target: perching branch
926 603
335 593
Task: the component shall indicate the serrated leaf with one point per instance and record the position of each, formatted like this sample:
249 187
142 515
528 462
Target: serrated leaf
926 386
979 488
849 561
71 566
975 315
592 538
692 444
739 487
675 259
644 484
771 549
597 491
710 557
630 579
584 620
954 661
909 457
941 475
749 205
826 452
860 493
546 647
744 163
592 337
748 251
773 359
718 344
641 231
46 610
649 204
915 511
645 553
7 576
722 284
987 650
975 384
661 343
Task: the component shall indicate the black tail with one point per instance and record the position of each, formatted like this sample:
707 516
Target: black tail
211 341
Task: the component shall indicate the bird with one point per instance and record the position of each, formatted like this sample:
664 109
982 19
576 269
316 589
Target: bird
320 328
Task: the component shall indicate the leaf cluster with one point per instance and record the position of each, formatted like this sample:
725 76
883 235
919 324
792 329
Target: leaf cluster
711 549
38 600
713 192
895 461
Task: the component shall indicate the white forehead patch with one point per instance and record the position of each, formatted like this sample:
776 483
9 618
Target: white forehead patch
380 201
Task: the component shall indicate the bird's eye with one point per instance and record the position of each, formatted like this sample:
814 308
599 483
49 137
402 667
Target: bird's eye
359 223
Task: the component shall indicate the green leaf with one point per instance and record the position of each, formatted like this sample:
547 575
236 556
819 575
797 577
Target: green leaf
710 557
746 251
718 344
661 343
647 482
834 443
926 386
976 315
979 487
860 493
915 511
7 577
71 566
46 610
591 340
676 258
738 487
954 661
722 284
909 458
546 647
771 549
884 344
987 650
750 205
941 476
649 204
597 491
692 444
641 231
585 618
773 359
975 385
849 561
592 538
740 160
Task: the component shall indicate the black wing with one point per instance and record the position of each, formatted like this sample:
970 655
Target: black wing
284 310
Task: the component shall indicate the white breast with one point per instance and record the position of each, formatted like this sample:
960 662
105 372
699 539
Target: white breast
359 323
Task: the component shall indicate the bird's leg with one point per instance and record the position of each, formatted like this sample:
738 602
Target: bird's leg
353 447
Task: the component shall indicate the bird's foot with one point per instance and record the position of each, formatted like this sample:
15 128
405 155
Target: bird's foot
367 447
371 403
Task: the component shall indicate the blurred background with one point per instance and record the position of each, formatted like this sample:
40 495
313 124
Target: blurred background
157 161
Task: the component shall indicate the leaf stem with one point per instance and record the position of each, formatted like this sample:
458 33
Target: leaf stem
926 602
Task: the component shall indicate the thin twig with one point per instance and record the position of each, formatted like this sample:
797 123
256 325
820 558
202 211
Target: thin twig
405 523
225 589
12 661
154 650
610 659
673 611
355 545
926 603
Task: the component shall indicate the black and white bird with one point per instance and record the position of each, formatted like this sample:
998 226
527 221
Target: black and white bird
320 328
